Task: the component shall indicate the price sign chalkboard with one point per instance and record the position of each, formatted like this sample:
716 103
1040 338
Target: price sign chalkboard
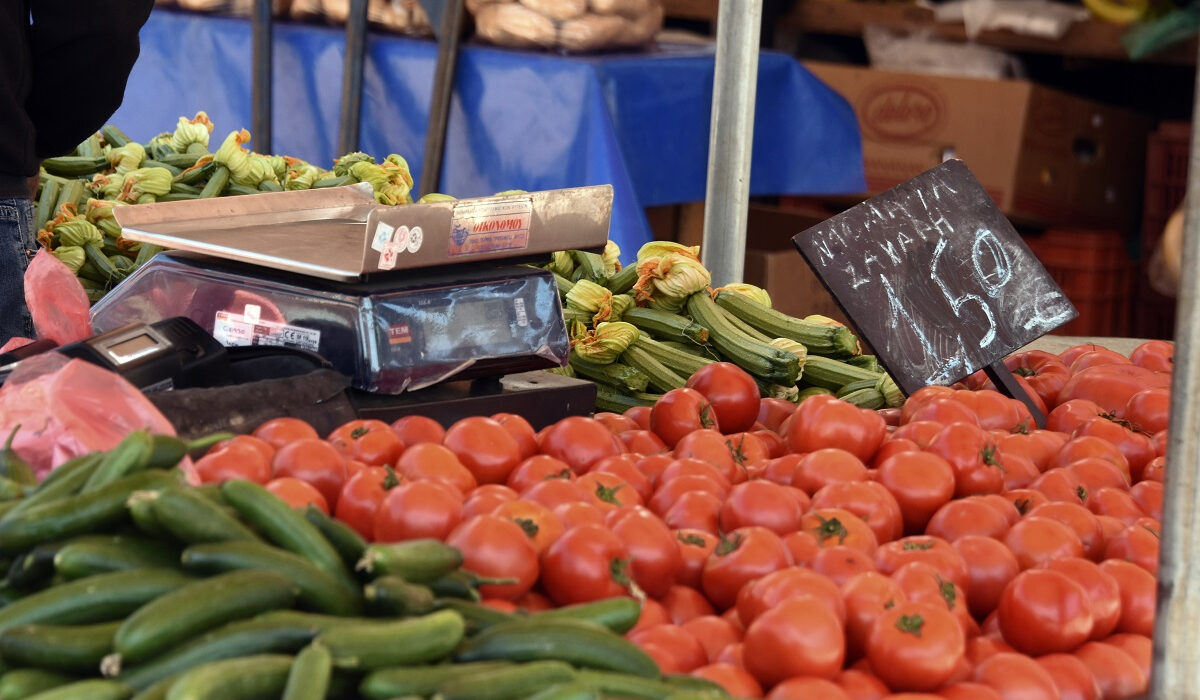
936 279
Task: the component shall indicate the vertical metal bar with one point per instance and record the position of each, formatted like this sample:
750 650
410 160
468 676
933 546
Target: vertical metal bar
443 89
352 77
260 84
731 140
1176 666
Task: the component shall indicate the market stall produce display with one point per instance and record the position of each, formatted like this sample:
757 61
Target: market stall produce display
740 545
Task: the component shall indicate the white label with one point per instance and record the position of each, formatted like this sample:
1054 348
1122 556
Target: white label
252 312
400 238
233 330
519 305
387 259
383 235
479 228
415 238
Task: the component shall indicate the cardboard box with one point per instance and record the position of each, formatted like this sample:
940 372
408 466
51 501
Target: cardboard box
1045 157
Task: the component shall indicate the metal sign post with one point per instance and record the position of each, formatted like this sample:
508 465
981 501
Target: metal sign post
450 28
260 84
1176 668
731 140
352 77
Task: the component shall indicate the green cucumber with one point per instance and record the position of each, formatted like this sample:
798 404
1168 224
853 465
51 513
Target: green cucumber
416 561
392 595
65 480
580 643
22 683
694 684
395 643
76 515
507 683
286 527
309 676
349 545
574 690
130 456
88 558
246 678
623 685
617 614
91 689
98 598
199 607
192 518
420 681
58 648
477 615
318 590
141 511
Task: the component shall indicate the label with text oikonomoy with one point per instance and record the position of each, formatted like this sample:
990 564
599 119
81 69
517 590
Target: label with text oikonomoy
935 277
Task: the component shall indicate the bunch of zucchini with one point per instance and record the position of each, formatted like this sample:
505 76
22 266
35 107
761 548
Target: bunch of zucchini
789 357
125 582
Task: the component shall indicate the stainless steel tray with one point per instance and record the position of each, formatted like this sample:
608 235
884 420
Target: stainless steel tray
341 233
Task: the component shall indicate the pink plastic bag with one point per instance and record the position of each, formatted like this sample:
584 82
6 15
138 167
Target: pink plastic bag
56 300
68 408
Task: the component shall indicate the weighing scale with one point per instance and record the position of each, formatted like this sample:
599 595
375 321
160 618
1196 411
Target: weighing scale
423 308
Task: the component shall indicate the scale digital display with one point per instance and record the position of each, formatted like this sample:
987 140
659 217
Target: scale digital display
132 348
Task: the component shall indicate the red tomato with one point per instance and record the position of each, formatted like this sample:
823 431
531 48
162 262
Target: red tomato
579 442
742 555
624 467
1036 541
732 392
578 513
1139 648
839 563
870 501
922 432
714 448
278 432
931 550
643 442
834 526
803 547
361 497
827 466
1016 676
915 646
589 562
1156 470
414 430
713 633
992 567
639 415
772 441
234 461
1149 410
1137 448
1045 372
967 690
1019 471
921 482
1081 520
1155 355
921 582
369 441
539 523
1103 592
1138 596
538 468
1148 495
772 412
1061 485
824 421
760 503
684 603
1138 544
995 410
674 648
1116 673
694 467
615 422
487 498
893 446
807 687
733 655
969 516
315 461
782 470
651 546
521 431
985 646
263 447
860 685
651 615
695 546
1005 507
866 596
297 493
1116 503
694 510
555 492
945 410
1038 446
671 491
735 680
798 637
1069 415
608 491
430 461
1044 612
1025 500
418 509
679 412
495 547
1096 473
1072 353
749 450
1072 677
485 448
971 453
759 596
1111 386
1096 358
534 602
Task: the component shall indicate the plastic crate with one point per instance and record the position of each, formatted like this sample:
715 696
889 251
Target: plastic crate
1166 186
1096 273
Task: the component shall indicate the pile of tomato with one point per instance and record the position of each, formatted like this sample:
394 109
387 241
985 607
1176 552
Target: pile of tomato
949 549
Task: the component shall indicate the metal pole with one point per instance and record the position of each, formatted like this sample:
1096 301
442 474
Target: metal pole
731 140
352 77
260 86
1176 667
443 88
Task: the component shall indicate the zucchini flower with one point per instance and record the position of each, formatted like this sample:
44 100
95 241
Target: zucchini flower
848 340
389 182
657 249
434 197
72 229
236 158
756 293
300 175
605 344
100 213
787 393
107 186
666 282
398 163
612 258
589 296
341 168
145 185
892 396
70 255
159 144
127 158
562 264
279 166
797 349
203 161
260 170
616 309
191 135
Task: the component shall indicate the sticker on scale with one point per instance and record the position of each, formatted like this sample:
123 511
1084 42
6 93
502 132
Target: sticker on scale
486 227
391 251
234 330
383 236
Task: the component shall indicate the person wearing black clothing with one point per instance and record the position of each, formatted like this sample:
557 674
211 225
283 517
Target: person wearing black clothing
63 67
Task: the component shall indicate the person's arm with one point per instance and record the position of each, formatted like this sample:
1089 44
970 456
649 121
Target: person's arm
82 53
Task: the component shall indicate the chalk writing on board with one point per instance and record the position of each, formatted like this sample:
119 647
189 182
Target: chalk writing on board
935 277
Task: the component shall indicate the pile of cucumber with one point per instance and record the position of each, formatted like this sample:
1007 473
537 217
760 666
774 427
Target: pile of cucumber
123 581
